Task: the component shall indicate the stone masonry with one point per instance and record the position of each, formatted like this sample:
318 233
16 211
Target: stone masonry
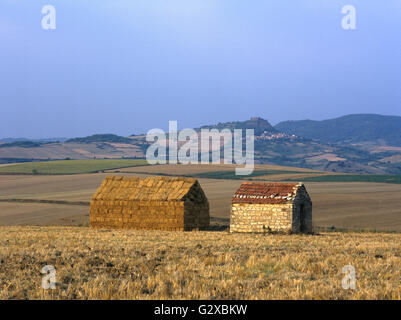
271 207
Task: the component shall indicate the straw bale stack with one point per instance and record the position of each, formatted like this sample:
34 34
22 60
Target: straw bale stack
154 203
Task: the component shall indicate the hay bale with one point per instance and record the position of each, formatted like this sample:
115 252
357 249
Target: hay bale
155 203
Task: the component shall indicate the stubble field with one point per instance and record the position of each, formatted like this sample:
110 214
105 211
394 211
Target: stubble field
109 264
44 219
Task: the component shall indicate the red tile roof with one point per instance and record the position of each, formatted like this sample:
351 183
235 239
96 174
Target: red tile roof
266 193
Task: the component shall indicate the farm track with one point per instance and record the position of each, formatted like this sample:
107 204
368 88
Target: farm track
72 203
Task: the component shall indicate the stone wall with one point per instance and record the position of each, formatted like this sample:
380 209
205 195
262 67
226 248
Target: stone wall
261 217
302 209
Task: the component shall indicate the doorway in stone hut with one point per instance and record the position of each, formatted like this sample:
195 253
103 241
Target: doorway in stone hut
302 216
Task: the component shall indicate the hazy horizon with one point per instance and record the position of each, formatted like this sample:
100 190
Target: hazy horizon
126 67
165 127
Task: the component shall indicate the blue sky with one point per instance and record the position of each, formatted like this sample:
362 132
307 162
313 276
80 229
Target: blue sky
126 67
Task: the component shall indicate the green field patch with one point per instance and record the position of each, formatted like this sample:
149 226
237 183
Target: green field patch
232 175
378 178
71 166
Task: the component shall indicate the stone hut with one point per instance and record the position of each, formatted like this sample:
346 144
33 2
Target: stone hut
155 203
271 207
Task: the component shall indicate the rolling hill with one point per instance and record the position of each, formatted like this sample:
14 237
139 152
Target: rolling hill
370 129
101 138
259 125
290 148
351 144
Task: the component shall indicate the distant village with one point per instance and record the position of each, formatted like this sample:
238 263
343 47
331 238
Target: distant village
266 135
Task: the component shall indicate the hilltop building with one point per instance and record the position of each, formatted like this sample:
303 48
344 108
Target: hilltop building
155 203
271 207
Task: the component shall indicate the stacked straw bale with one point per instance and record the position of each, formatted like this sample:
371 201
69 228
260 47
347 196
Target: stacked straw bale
154 203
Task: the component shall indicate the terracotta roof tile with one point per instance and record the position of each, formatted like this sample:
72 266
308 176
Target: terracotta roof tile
265 193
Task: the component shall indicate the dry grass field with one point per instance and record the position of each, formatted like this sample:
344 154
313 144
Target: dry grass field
341 204
70 166
106 264
43 214
73 151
